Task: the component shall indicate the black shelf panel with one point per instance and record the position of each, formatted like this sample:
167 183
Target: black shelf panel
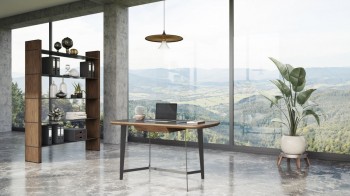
90 98
62 121
66 55
89 138
65 76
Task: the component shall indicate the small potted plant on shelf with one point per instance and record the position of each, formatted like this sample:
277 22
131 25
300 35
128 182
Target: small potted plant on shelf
56 114
78 92
293 104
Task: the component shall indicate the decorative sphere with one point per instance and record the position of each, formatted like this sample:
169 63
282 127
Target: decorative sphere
67 43
73 51
139 110
58 46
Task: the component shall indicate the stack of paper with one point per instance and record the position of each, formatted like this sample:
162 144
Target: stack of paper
75 115
196 122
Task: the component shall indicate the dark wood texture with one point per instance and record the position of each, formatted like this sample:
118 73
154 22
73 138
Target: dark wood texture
32 82
33 101
93 105
33 91
33 137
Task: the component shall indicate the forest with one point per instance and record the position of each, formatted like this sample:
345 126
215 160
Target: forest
206 99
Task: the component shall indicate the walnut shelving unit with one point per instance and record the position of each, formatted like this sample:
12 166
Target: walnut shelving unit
33 92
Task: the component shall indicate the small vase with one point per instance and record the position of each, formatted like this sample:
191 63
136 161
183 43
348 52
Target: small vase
53 90
63 86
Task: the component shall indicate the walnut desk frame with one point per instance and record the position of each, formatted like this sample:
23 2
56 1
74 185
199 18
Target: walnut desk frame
165 128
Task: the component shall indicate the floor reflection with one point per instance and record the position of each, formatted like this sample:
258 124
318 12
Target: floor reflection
70 170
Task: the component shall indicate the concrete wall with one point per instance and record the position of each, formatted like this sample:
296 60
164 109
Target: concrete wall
5 81
115 69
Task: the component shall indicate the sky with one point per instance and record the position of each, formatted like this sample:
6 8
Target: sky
312 33
205 43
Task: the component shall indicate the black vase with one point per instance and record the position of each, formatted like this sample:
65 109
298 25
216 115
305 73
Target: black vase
58 46
61 94
67 43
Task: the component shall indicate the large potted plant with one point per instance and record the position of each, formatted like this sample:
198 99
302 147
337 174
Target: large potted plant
293 104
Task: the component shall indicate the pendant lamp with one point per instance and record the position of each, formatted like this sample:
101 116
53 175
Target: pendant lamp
163 38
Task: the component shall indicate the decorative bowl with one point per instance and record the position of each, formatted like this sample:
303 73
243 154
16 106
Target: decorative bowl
139 117
61 94
73 51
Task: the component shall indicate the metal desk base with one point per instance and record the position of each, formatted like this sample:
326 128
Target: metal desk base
201 157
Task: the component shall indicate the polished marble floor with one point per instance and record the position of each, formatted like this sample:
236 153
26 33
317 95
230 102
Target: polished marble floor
70 170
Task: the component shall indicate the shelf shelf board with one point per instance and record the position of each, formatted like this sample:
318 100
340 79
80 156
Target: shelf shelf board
66 55
65 120
65 76
89 138
70 98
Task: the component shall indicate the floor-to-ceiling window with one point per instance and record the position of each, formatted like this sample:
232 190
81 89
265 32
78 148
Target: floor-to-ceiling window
87 35
193 73
313 34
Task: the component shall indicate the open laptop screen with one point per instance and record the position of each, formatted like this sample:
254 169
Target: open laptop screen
166 111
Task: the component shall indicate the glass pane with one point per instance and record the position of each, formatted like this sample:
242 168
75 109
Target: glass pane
312 34
193 73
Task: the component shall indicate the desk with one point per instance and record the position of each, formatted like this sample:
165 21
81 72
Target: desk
165 128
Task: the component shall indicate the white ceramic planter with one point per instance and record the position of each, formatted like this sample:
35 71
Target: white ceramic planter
293 144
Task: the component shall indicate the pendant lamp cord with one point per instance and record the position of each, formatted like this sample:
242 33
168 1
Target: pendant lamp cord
164 16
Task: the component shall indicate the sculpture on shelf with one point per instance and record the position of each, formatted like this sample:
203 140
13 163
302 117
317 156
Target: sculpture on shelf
58 46
67 43
56 114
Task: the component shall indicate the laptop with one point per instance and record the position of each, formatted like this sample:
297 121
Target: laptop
166 112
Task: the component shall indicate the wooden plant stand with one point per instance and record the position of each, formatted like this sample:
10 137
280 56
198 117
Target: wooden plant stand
293 156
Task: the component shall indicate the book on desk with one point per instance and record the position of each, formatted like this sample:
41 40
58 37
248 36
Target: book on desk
195 122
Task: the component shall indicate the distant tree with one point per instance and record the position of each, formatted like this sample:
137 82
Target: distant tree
17 106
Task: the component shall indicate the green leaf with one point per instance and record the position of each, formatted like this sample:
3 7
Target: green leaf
272 99
278 120
297 76
289 70
283 87
304 96
299 88
311 112
281 67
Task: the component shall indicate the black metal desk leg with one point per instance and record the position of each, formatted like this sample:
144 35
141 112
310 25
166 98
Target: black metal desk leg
200 147
122 150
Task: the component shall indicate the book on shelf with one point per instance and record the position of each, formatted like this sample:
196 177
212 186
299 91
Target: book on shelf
196 122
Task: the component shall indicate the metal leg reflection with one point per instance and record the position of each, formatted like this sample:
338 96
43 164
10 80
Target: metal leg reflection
186 159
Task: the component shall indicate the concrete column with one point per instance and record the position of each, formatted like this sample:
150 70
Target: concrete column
115 69
5 81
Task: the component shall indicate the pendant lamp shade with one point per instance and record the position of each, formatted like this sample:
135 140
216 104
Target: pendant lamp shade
163 38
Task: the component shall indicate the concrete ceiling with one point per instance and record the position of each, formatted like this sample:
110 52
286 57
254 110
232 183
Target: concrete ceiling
10 8
15 7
